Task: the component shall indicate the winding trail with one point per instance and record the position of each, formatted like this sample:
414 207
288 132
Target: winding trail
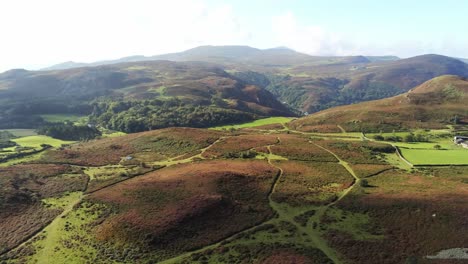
397 150
313 234
278 176
51 228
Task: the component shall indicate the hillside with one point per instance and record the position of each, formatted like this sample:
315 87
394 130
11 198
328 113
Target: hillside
120 90
314 88
304 83
433 104
261 194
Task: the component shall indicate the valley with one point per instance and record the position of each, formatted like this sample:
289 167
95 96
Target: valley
232 154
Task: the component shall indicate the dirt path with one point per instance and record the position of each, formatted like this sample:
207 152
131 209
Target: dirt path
178 258
341 128
45 255
283 215
52 232
314 234
51 229
397 150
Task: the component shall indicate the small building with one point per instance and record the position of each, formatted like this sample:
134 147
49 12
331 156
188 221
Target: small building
461 140
457 139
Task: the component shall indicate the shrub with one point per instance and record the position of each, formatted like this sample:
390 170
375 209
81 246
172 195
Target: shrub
379 137
364 183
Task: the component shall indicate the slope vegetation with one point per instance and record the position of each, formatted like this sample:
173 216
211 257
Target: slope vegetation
312 88
434 104
135 96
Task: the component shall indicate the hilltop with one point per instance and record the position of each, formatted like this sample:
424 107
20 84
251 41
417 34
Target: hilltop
433 104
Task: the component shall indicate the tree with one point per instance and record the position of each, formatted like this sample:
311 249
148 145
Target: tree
438 147
409 138
379 137
364 183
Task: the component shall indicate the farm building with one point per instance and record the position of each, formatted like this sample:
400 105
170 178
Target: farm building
461 140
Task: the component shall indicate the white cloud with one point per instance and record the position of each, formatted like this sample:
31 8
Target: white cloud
311 39
36 34
40 33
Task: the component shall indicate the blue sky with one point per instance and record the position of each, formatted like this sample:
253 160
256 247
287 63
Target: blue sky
36 34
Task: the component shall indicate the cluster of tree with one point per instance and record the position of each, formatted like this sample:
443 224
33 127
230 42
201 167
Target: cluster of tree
137 116
407 138
68 131
6 144
330 91
248 154
25 113
20 121
6 136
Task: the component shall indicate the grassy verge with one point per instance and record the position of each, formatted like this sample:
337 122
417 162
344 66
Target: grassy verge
256 123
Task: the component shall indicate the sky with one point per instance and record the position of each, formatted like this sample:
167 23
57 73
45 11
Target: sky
36 34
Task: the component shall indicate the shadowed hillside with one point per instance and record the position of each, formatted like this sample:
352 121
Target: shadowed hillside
135 91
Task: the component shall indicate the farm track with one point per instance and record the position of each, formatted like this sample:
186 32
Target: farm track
69 207
313 234
216 244
50 226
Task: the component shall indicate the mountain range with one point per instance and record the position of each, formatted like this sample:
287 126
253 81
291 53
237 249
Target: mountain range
216 84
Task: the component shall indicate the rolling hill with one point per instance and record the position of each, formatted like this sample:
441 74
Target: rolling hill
254 195
240 82
314 88
433 104
151 87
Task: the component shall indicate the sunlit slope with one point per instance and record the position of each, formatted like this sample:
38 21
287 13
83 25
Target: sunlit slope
438 102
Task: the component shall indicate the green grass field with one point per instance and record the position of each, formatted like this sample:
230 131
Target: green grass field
21 132
424 153
436 157
56 118
36 141
256 123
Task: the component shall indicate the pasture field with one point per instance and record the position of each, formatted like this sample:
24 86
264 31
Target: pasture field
436 157
37 141
257 123
60 118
